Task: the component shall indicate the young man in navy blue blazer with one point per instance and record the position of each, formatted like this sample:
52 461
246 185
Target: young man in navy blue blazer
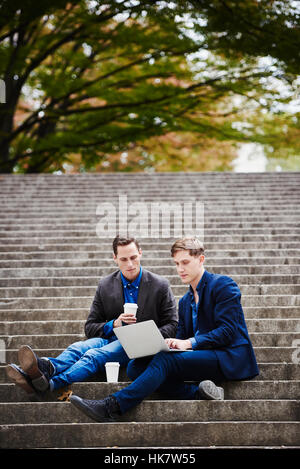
212 335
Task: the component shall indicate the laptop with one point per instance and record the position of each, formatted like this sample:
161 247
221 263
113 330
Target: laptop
142 339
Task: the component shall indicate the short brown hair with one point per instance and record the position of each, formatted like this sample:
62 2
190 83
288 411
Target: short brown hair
122 241
193 245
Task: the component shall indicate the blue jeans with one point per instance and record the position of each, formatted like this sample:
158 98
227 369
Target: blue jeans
167 373
85 358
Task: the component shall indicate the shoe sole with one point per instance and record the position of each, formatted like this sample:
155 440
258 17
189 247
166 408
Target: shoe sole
80 405
16 377
28 362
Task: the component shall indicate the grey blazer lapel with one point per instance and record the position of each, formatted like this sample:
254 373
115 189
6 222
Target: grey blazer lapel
143 294
202 285
117 293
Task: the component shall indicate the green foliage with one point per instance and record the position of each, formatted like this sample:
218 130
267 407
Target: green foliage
95 78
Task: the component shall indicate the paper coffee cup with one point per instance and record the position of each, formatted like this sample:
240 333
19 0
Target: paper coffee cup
130 308
112 371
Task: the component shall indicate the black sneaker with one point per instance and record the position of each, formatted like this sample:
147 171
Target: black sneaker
104 410
38 369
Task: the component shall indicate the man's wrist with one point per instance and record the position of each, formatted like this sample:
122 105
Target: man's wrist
117 323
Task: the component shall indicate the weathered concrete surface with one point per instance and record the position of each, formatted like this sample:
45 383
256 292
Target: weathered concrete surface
146 434
51 261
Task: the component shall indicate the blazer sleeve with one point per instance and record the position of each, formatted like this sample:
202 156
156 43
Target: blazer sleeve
226 315
96 319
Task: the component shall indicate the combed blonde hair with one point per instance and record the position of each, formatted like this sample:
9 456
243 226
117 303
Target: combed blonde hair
192 244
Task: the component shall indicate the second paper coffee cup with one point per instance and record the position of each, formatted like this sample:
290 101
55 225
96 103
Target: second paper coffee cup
112 371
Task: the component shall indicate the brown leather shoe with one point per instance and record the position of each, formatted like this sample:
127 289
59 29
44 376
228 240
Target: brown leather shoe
19 377
35 367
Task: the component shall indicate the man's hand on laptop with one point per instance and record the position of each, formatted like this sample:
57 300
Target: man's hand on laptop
127 318
179 344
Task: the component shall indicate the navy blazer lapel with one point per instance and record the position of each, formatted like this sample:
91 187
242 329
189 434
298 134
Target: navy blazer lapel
201 289
203 282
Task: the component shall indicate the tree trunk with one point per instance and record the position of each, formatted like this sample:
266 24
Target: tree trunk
7 113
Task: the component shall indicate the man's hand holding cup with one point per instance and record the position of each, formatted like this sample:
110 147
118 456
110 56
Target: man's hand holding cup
128 316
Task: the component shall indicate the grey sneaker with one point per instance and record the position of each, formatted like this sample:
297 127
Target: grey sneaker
208 390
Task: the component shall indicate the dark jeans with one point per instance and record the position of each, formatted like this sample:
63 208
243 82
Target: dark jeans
167 373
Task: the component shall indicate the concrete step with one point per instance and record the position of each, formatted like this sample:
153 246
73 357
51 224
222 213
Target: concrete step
32 220
107 266
273 284
85 302
69 198
158 411
267 371
227 234
234 390
167 189
245 282
106 180
152 198
106 183
251 312
288 231
96 271
66 197
75 289
229 248
224 238
84 219
198 184
149 256
162 251
231 208
82 201
146 185
35 222
274 339
63 340
273 325
264 354
211 227
150 434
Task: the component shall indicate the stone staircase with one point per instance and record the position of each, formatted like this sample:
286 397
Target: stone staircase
50 263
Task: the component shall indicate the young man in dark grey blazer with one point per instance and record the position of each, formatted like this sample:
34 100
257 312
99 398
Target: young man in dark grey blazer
129 284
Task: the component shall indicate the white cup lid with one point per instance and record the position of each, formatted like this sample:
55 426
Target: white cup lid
112 364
